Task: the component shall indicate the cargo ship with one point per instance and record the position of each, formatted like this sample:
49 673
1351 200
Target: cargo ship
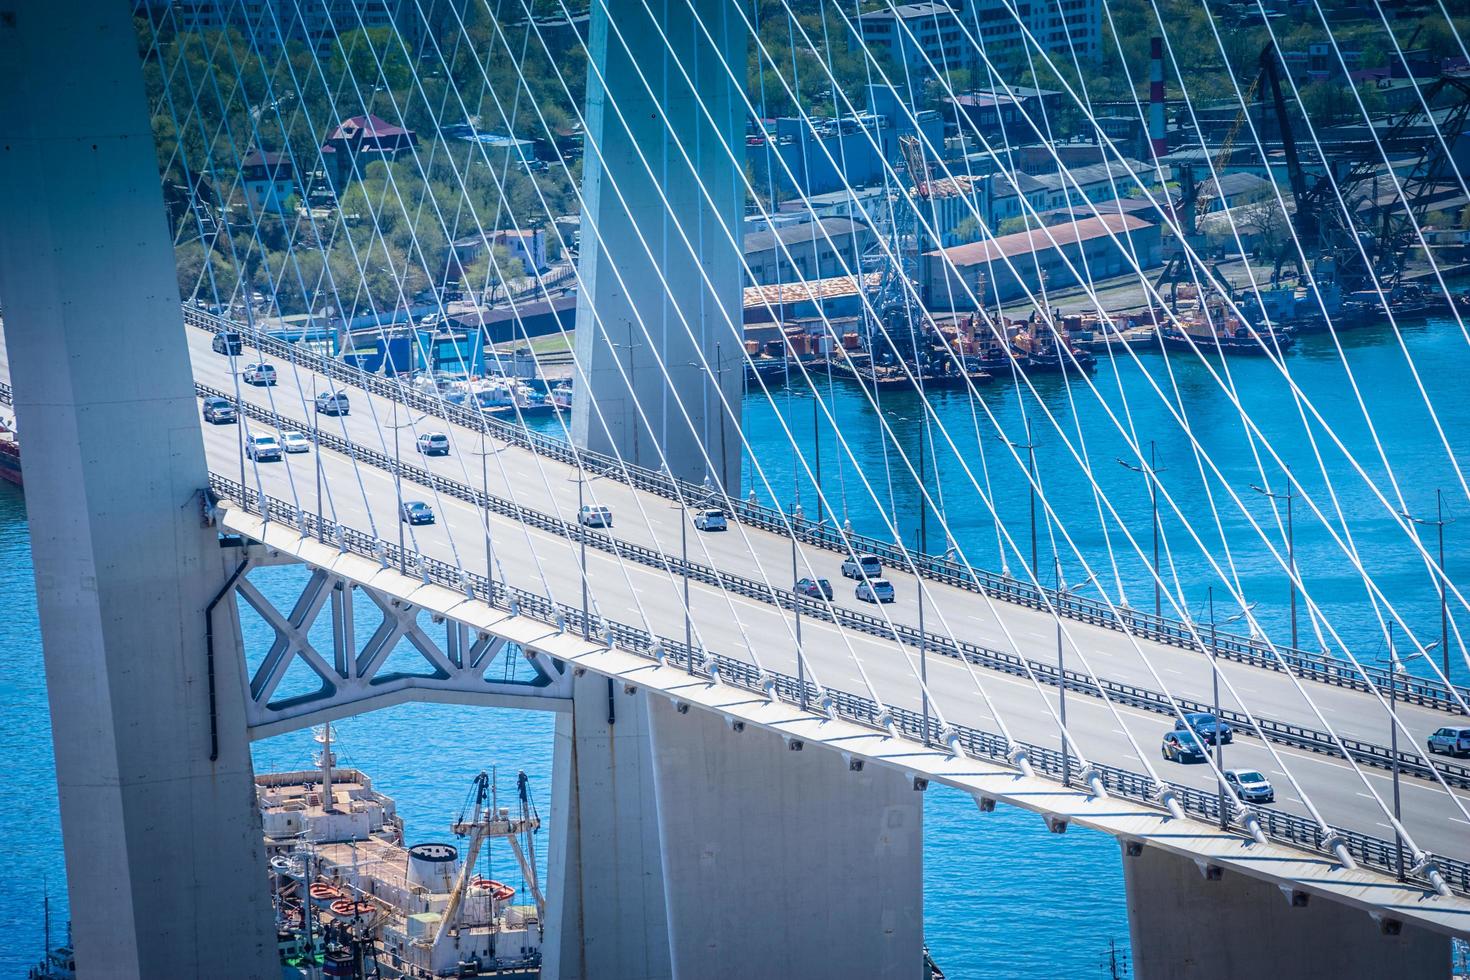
353 900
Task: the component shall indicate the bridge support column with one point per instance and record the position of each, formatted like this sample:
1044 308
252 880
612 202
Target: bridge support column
165 864
1189 923
684 848
628 320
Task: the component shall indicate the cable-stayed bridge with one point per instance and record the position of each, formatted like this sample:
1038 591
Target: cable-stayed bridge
686 669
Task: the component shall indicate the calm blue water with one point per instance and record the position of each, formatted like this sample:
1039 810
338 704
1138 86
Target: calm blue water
993 882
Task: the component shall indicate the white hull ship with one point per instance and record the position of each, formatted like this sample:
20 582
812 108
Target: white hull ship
353 901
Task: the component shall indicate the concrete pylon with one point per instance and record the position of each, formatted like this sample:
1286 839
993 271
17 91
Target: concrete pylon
1193 922
683 848
165 865
693 240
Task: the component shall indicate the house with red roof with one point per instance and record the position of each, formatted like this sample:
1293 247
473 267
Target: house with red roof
360 140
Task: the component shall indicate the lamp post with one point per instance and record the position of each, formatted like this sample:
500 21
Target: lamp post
485 453
316 438
1395 665
1215 704
1152 471
1061 670
398 482
800 661
1438 524
1030 446
1288 496
684 568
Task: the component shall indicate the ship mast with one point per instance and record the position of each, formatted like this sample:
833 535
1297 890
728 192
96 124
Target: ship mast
326 762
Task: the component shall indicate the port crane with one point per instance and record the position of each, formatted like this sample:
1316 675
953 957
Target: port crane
1342 232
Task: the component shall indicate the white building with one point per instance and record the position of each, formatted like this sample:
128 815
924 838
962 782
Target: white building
925 37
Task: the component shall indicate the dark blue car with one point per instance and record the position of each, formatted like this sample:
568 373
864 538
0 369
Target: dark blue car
1206 726
416 512
1183 746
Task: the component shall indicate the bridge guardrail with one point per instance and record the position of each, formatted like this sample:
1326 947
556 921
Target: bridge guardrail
1428 692
1278 825
1130 694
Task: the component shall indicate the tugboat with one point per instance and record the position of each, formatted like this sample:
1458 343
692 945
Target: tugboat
353 901
59 962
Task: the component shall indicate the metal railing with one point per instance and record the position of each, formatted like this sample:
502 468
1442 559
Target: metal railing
1130 694
1280 826
1428 692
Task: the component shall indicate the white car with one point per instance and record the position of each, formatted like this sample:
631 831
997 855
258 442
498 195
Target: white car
433 444
591 516
862 566
259 374
262 448
875 590
710 520
295 442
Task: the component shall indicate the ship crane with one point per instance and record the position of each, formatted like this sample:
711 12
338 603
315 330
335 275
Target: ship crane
486 820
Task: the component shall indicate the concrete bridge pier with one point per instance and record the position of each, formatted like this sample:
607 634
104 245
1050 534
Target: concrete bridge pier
164 859
683 847
617 353
1191 923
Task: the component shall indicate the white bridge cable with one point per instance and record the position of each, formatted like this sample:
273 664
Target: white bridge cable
1017 460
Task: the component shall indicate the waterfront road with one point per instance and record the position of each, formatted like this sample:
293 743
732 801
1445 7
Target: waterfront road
364 497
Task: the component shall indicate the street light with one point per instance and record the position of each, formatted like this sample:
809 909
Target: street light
1152 471
485 455
398 481
1395 664
923 541
1030 446
1288 496
1438 524
800 660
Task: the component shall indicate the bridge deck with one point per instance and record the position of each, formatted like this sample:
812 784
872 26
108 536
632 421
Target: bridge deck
747 628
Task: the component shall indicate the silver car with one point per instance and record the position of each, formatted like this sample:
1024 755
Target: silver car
1250 785
1450 741
875 590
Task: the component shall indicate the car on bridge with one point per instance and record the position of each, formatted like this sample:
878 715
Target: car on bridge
226 342
332 403
875 590
592 516
1183 746
262 448
261 375
433 444
219 411
295 442
415 512
814 588
1250 785
710 520
862 566
1206 726
1450 741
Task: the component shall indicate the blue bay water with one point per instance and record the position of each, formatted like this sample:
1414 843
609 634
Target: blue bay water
1003 897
